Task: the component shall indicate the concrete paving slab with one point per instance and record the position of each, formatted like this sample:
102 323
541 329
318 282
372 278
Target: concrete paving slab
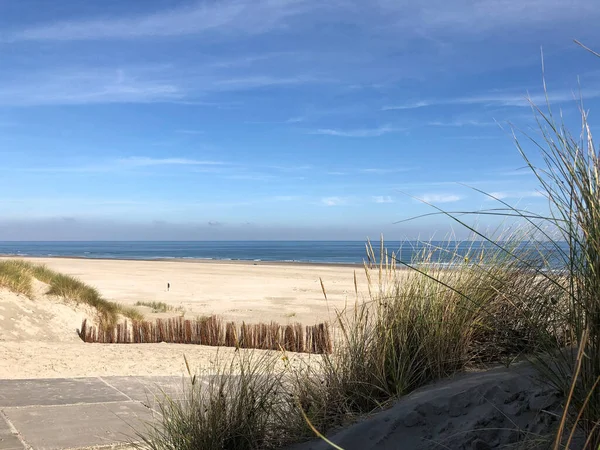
146 389
79 426
9 440
4 427
56 391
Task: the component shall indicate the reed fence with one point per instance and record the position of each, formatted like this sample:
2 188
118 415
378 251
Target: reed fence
215 332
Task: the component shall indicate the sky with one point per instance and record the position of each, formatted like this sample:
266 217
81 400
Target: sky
277 119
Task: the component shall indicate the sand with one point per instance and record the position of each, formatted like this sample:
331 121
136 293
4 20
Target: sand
482 411
234 290
40 318
472 411
38 336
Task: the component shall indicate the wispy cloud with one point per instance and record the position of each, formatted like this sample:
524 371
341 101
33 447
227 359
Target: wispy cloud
231 17
333 201
461 123
502 195
134 85
252 17
242 61
515 99
474 137
263 81
86 87
383 199
382 171
467 17
525 171
142 161
413 105
187 131
440 198
359 132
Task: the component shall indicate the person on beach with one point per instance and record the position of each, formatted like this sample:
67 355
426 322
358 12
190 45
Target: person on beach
168 287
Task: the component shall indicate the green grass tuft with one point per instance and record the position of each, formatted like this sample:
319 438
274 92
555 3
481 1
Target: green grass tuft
17 276
130 312
243 407
157 307
14 278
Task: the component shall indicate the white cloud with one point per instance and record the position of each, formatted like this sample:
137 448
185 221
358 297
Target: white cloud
517 99
184 131
468 17
332 201
87 86
263 81
228 17
360 132
440 198
146 161
385 171
245 60
414 105
461 123
132 85
474 137
502 195
383 199
525 171
251 17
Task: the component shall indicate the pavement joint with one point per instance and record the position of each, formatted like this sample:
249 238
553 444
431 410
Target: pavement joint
116 389
66 405
83 413
14 430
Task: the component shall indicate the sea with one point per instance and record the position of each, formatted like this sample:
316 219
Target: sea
325 252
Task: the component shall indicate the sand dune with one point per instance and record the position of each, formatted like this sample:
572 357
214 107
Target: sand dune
41 318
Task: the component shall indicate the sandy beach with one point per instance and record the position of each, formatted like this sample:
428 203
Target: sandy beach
234 290
39 335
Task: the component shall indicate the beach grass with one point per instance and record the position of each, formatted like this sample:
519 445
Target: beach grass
157 307
14 278
558 308
571 180
17 275
244 406
492 306
419 326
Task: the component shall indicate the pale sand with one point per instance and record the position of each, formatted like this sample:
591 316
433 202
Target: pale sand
237 291
38 337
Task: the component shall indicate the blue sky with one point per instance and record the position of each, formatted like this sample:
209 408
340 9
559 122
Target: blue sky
275 119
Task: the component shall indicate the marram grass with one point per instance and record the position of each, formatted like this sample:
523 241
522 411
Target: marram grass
425 322
17 275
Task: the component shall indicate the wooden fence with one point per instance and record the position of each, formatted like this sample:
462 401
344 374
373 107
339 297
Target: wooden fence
213 331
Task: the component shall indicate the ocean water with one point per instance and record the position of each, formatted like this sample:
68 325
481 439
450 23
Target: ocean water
339 252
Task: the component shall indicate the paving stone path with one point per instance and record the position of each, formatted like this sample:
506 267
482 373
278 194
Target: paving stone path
76 413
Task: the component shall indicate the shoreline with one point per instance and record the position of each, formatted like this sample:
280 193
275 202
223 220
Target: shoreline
243 262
